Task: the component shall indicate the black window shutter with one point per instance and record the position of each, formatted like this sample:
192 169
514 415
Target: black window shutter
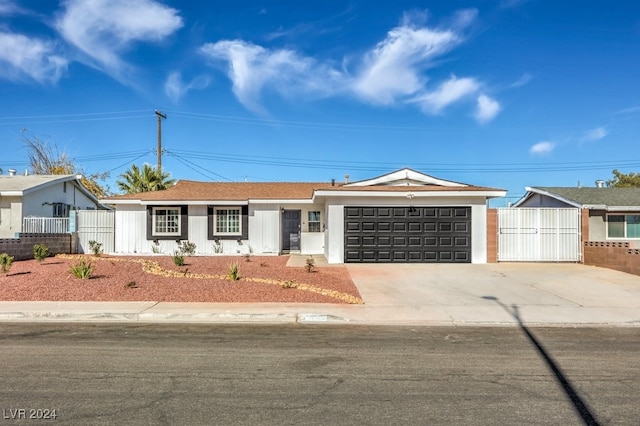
149 223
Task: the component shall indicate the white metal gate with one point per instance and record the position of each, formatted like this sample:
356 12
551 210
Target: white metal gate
98 226
539 235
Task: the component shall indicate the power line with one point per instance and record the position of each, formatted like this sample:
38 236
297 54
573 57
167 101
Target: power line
434 167
191 165
127 162
113 156
87 114
337 126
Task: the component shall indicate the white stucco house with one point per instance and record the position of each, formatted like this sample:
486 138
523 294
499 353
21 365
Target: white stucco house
403 216
42 196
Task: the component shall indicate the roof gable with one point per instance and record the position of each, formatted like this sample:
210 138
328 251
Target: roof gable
596 198
405 177
21 184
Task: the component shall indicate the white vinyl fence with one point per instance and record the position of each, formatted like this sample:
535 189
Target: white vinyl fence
98 226
539 235
45 225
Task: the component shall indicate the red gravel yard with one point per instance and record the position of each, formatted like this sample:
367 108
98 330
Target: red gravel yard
156 278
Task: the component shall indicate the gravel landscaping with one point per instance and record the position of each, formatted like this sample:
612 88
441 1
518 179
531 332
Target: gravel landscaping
157 278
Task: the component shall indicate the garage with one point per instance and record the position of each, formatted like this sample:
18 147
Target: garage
407 234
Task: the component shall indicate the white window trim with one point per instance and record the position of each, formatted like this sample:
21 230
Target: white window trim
319 221
214 218
624 227
60 210
153 222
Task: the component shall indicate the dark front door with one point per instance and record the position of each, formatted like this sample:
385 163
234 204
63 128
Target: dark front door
291 230
407 234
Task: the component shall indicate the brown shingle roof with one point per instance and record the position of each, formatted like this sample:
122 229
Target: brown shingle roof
187 190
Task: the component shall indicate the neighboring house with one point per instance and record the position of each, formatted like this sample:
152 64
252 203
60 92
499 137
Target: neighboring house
404 216
614 213
43 196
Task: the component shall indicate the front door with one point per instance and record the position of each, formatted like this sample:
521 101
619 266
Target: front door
291 230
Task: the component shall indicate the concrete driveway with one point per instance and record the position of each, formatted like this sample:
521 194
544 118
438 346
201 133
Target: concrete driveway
404 294
541 293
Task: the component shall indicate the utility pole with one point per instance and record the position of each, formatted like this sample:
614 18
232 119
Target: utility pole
160 117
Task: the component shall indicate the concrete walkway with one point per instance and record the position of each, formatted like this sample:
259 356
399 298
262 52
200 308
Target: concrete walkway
404 294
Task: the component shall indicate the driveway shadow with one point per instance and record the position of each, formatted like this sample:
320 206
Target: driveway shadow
580 406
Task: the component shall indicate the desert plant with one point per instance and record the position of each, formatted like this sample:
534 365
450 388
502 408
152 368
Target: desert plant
155 247
5 263
234 271
82 269
187 248
95 247
217 247
311 262
247 255
40 252
178 258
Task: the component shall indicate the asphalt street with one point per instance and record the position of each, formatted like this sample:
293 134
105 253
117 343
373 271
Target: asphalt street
317 374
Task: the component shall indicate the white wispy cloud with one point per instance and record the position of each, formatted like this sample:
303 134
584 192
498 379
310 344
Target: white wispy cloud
394 68
175 87
629 110
486 109
394 71
103 29
447 93
509 4
542 148
251 68
23 57
523 80
595 134
8 7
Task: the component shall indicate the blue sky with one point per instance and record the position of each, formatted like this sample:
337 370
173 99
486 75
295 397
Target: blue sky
504 93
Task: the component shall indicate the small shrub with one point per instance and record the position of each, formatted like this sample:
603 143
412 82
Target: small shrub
234 271
131 284
155 247
5 263
95 247
178 258
40 252
247 256
289 284
187 248
217 247
83 269
311 262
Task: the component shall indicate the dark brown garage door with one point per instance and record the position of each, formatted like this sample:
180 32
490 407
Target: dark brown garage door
407 234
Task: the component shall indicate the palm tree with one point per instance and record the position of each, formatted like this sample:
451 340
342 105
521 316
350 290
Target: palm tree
148 179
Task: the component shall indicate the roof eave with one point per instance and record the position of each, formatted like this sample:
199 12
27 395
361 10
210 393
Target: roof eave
619 208
281 201
11 193
531 190
412 194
